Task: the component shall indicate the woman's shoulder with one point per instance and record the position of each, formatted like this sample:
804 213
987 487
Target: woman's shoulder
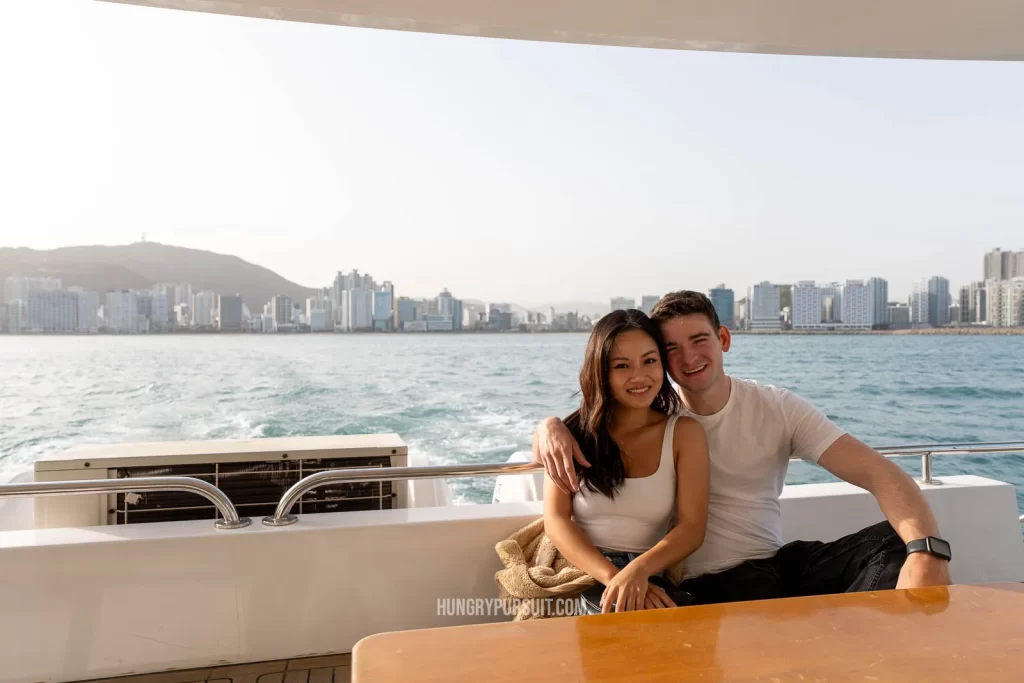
687 432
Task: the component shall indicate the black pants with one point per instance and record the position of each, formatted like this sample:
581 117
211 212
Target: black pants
870 559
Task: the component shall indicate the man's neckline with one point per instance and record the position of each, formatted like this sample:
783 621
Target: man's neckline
720 411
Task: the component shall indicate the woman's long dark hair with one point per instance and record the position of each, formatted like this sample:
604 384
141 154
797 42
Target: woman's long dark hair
590 423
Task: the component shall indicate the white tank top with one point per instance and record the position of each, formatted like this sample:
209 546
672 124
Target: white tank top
641 512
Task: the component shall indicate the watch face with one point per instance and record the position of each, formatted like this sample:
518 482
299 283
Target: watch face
939 546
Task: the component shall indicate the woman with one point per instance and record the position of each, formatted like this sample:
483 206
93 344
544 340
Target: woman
648 466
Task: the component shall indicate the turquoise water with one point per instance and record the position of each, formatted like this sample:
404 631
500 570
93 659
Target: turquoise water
476 398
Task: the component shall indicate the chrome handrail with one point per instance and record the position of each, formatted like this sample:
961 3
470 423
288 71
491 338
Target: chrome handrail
283 517
926 451
139 485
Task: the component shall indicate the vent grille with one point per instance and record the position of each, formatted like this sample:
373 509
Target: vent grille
255 489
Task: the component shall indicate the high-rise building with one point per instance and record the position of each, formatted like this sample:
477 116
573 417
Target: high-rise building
204 305
500 316
349 282
183 295
384 308
356 310
919 302
88 310
978 305
648 302
1013 295
938 301
724 301
18 287
1000 265
161 312
322 300
878 293
858 306
1005 299
52 311
963 306
17 316
973 307
458 315
807 311
622 303
406 311
743 314
230 308
929 302
764 308
831 303
281 308
121 312
444 303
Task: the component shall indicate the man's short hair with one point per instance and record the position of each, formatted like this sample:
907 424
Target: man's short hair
685 302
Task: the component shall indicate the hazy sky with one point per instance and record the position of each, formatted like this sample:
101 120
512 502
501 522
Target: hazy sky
503 170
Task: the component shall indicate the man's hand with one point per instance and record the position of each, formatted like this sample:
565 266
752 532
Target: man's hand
921 570
554 447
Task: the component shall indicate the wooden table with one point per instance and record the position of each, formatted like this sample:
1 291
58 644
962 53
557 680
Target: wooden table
959 633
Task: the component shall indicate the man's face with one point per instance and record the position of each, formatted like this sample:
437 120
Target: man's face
695 351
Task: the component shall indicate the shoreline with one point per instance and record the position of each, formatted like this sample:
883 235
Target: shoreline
935 331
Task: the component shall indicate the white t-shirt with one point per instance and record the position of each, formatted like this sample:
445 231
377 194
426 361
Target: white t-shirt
750 442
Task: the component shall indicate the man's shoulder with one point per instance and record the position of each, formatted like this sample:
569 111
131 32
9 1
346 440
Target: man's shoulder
752 391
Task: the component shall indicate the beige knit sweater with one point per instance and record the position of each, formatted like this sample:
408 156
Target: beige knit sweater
535 570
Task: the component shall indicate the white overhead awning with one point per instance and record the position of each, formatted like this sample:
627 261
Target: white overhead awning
924 29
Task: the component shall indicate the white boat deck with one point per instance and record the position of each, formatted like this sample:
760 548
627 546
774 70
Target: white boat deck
329 669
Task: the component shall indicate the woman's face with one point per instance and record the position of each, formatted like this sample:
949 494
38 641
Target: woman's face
635 373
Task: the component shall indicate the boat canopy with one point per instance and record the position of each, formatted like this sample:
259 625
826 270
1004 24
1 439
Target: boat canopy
917 29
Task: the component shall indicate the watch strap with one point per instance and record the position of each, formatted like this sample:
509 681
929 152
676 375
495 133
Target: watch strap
925 545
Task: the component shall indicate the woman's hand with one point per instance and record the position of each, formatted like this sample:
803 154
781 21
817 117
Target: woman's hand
629 589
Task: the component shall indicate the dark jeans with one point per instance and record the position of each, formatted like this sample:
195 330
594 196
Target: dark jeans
592 596
870 559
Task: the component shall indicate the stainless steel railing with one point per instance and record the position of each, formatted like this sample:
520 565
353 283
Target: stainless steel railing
140 485
283 517
926 451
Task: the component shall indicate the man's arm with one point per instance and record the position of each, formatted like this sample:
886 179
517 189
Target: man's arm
900 499
555 448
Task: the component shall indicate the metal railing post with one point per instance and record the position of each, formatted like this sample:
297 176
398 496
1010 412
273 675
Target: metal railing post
926 470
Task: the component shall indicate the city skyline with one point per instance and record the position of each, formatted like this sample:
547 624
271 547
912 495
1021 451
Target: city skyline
355 302
590 168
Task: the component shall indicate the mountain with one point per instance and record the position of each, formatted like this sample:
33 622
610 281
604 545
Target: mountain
144 264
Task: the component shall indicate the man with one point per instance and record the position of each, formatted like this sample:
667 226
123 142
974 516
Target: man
753 431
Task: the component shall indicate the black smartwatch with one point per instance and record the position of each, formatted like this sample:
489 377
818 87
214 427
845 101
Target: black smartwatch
932 546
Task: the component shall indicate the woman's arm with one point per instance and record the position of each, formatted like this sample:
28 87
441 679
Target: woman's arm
569 538
693 479
630 588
